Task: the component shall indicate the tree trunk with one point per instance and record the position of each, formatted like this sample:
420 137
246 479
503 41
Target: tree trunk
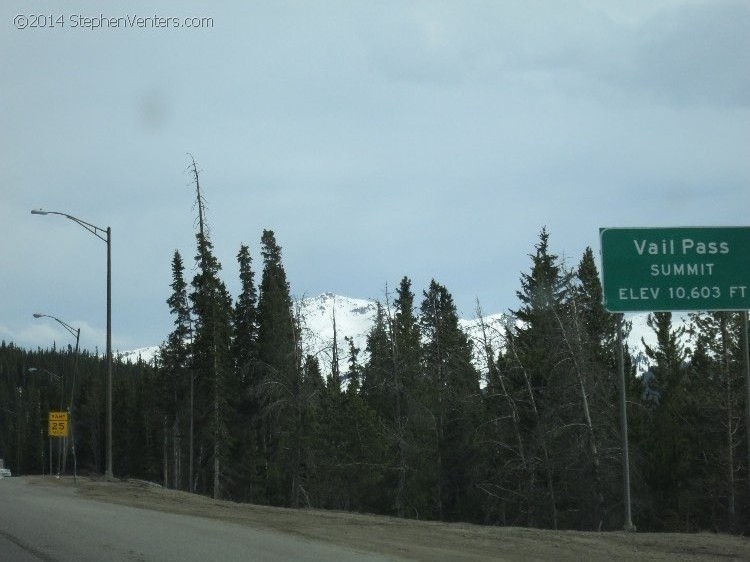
177 476
191 452
216 425
166 455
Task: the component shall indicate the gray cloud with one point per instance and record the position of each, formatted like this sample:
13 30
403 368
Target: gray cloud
376 139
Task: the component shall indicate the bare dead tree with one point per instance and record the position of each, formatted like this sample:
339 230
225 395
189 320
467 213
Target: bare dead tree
575 349
494 377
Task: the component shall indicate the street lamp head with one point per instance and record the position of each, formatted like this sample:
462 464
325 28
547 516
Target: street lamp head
37 315
39 212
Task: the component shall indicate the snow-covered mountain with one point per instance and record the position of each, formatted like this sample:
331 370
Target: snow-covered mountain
146 354
355 317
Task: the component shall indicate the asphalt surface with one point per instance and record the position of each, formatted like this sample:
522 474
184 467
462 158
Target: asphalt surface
53 524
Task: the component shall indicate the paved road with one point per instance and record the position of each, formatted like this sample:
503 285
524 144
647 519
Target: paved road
52 524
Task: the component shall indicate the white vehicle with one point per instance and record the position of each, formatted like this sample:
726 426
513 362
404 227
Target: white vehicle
4 472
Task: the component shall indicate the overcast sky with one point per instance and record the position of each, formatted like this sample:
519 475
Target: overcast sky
376 139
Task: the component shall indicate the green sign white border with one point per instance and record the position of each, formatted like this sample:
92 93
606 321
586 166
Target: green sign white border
681 304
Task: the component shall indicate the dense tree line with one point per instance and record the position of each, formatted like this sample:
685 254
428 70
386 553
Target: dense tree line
32 383
235 409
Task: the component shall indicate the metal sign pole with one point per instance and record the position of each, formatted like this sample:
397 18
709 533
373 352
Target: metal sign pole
746 361
624 425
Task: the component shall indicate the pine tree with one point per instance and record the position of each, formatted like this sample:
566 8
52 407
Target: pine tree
669 353
390 380
414 481
279 363
214 372
667 443
590 336
598 326
376 371
245 341
354 371
246 423
451 395
335 381
173 383
538 353
212 354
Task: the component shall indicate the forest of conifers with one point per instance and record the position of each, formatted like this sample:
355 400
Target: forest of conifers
410 426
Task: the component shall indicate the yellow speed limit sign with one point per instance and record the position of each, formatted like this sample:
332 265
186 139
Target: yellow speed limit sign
58 424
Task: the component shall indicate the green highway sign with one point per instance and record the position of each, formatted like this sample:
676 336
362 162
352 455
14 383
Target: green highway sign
673 269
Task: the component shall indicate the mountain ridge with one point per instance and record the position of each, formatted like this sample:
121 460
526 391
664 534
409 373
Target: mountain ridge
355 317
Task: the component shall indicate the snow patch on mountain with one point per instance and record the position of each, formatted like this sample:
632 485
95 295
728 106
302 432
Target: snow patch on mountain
355 318
145 354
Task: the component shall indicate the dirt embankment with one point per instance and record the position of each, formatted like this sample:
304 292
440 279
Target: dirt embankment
421 540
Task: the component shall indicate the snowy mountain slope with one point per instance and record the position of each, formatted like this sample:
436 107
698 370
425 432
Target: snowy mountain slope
355 317
146 354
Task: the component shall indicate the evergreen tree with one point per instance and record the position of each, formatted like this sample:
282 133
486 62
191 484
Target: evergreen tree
354 372
280 367
244 346
666 447
335 381
590 336
348 450
598 327
390 381
246 453
539 357
173 383
669 354
411 424
376 371
212 356
451 395
212 359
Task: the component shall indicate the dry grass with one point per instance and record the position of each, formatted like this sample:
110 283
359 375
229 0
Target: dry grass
421 540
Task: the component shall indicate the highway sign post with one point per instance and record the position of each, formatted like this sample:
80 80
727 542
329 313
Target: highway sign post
675 269
672 269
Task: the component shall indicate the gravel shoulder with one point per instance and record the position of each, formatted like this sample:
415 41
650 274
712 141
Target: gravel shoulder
400 539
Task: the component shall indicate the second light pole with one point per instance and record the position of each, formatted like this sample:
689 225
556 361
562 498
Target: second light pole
77 333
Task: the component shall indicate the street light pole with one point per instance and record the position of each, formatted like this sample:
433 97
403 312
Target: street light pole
108 473
99 233
77 333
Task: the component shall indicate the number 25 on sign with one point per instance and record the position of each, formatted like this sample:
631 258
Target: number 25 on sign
58 424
